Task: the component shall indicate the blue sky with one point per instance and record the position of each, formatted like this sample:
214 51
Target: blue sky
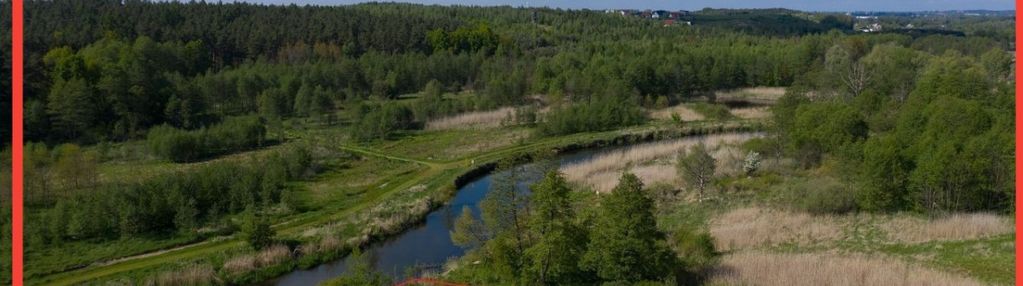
806 5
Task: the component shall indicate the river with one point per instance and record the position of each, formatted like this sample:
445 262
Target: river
428 245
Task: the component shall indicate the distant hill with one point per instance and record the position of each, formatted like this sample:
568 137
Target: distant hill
780 22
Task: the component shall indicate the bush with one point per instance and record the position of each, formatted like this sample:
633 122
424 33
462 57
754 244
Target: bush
600 114
751 164
381 121
712 111
231 135
826 128
695 249
821 196
174 144
258 231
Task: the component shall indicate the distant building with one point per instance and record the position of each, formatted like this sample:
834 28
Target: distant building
650 14
873 27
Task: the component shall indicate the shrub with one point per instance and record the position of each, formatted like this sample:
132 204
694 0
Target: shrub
822 196
713 111
380 121
233 134
600 114
751 164
174 144
258 232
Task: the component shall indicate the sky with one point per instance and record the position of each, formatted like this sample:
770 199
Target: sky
805 5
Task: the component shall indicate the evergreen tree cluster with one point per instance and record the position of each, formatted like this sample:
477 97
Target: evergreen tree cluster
235 133
181 201
540 237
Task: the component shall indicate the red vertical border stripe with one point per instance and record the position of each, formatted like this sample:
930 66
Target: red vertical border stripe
1019 123
17 191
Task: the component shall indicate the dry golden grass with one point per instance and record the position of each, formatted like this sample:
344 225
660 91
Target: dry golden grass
951 227
472 120
757 94
759 112
729 160
651 162
648 174
685 113
759 268
193 275
754 227
271 256
240 264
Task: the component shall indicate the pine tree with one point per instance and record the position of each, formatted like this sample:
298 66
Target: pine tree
258 231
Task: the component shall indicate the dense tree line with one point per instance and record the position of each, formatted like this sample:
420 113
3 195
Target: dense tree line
108 75
540 237
116 89
600 113
918 131
770 21
177 202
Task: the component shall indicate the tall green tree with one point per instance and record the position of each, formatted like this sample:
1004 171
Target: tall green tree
625 245
468 232
258 230
559 242
74 108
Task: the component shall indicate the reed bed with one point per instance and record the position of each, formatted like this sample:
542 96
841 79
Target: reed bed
268 257
759 112
652 162
761 94
649 175
952 227
755 227
685 113
193 275
729 159
328 243
761 268
472 120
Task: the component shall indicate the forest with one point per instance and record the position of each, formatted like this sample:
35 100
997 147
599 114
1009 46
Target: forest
233 130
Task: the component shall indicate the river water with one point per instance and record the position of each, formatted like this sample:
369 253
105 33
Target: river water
428 245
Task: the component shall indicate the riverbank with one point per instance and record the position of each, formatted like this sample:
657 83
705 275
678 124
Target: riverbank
438 179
